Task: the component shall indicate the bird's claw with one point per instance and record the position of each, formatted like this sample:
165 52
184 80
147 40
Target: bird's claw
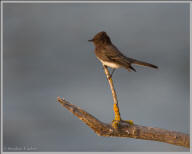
109 78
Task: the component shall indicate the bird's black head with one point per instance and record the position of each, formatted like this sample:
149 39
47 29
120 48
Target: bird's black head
101 38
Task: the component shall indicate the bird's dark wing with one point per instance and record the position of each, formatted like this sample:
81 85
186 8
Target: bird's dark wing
114 55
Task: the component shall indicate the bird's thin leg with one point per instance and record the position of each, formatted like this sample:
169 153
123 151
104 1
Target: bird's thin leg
113 70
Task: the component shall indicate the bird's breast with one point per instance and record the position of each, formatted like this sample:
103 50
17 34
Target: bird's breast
109 64
101 54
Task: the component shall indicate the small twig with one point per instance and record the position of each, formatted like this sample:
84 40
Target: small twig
111 84
127 130
115 106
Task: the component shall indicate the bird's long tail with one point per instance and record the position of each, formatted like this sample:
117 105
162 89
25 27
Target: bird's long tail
144 64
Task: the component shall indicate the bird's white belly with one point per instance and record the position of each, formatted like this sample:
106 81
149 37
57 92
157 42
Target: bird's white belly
109 64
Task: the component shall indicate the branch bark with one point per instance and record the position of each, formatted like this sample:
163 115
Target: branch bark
125 129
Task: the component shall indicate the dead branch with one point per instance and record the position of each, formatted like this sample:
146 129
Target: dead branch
125 129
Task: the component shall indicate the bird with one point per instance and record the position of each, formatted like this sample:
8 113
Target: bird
109 55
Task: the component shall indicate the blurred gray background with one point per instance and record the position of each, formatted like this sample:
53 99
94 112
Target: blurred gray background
47 54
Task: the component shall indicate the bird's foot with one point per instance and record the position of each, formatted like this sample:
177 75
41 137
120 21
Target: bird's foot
109 78
111 74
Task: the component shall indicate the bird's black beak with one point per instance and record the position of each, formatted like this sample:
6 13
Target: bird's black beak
90 40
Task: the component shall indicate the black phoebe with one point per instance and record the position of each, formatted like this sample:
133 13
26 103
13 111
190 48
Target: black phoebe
110 56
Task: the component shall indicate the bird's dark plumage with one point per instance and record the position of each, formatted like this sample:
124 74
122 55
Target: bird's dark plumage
110 56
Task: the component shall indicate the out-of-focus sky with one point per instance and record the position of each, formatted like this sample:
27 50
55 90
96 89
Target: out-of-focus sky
47 54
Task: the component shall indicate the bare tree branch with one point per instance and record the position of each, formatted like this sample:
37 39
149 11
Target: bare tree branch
125 129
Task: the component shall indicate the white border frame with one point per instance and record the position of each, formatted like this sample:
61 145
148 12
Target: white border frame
1 76
2 2
164 1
